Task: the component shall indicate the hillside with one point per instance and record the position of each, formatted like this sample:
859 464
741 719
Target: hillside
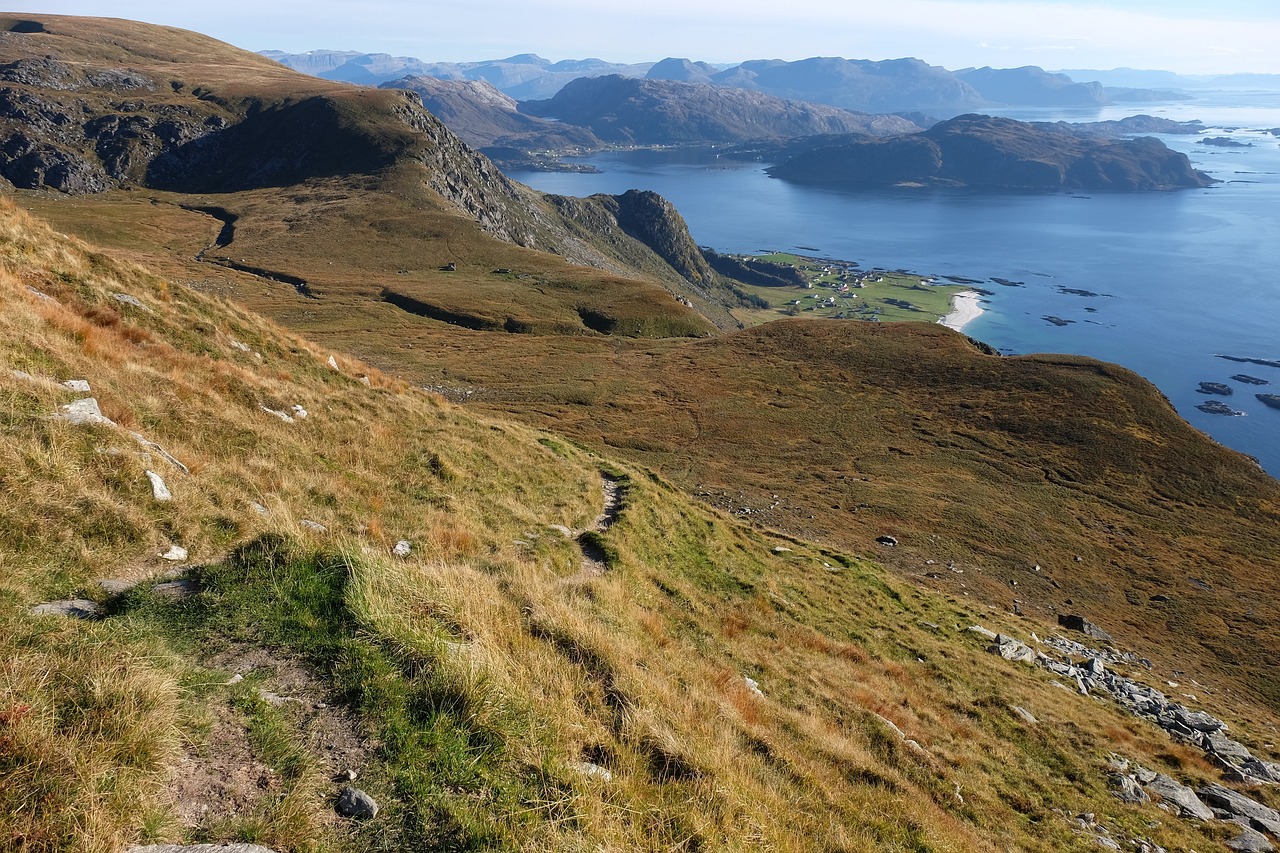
237 136
625 111
668 677
994 153
646 584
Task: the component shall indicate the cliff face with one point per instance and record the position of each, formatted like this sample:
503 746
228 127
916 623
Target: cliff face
998 153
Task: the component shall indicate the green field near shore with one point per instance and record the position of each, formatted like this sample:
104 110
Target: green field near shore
840 291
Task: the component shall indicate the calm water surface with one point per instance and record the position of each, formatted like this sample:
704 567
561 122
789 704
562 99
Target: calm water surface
1179 277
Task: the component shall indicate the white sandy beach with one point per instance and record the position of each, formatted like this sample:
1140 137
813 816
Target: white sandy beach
965 308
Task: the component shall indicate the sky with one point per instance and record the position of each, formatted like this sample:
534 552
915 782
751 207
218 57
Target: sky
1186 36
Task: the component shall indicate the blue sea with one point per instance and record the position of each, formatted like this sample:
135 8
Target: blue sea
1160 282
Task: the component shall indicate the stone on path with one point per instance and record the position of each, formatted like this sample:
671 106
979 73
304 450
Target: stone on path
354 803
158 489
78 608
177 589
175 554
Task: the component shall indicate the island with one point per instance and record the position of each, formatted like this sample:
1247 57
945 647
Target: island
994 153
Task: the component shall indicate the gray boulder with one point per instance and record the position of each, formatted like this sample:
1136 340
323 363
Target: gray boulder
78 608
1180 797
1250 841
1259 816
1010 649
354 803
1127 789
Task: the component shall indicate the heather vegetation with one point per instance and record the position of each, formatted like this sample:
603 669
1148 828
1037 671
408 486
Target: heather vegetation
536 554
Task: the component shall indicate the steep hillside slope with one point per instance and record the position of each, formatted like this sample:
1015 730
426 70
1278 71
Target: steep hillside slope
88 105
294 567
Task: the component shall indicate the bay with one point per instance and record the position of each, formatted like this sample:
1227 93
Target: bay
1160 282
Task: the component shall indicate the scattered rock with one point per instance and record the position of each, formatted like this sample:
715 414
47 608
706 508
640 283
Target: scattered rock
1249 380
164 454
83 411
887 540
313 526
116 586
238 345
753 686
1259 816
983 632
402 549
76 608
347 775
177 589
562 530
1026 716
1127 789
1272 400
333 362
1011 649
1073 622
130 300
81 385
1250 841
354 803
158 489
284 416
299 412
590 771
1180 797
175 554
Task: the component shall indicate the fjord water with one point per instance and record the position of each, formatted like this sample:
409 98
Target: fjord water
1160 282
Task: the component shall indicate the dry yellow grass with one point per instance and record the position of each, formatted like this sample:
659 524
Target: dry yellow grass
488 630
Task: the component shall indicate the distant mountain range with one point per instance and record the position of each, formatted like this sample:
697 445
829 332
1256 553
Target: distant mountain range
1134 77
882 86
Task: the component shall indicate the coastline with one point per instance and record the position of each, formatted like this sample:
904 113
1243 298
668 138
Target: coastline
965 308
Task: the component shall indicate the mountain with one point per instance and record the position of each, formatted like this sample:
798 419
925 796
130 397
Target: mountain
654 583
523 76
663 112
998 153
484 117
1138 78
1032 86
893 85
682 70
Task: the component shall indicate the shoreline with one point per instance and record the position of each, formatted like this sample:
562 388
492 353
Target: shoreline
965 308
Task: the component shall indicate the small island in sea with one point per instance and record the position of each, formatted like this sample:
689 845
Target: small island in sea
988 152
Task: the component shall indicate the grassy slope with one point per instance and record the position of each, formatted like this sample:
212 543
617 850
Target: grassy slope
641 670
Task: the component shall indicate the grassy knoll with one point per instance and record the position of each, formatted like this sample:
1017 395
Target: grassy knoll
477 674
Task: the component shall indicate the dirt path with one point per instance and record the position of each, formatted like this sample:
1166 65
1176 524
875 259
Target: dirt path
594 560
